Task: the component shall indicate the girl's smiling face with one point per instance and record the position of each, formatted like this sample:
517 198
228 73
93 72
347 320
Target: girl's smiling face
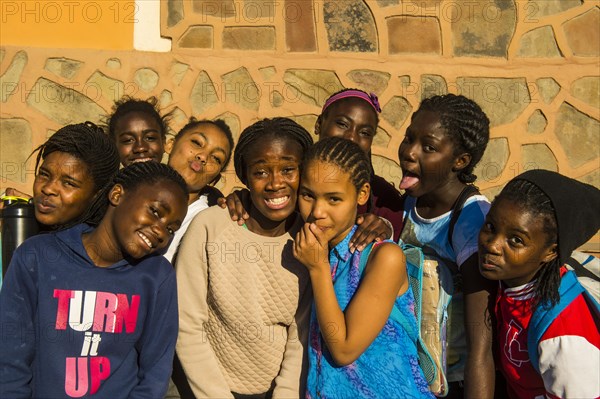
146 217
139 138
272 176
62 190
513 244
350 118
328 198
427 156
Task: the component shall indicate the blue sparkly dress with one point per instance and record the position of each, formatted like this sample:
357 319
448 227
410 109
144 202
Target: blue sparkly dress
389 368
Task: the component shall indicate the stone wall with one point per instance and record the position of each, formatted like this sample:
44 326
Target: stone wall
533 66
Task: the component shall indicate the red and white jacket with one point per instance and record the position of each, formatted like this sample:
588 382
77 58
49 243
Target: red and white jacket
569 349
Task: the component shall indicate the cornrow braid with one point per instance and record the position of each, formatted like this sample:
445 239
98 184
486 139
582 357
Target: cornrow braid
219 123
129 104
465 123
260 131
88 143
132 177
344 154
530 197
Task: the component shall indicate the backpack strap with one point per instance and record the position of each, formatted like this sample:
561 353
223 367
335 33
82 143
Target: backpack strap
465 194
543 316
580 269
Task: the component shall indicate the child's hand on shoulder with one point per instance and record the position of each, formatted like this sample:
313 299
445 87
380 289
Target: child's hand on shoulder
371 228
311 248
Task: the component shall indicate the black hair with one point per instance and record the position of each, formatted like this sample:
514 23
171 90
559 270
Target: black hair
129 104
465 124
272 128
132 177
530 197
219 123
326 111
344 154
88 143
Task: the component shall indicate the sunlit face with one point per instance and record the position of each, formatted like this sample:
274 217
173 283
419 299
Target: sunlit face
199 155
426 156
62 190
351 118
513 244
272 176
328 198
138 138
145 218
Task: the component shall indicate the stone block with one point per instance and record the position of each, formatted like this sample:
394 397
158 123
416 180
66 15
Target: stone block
311 86
197 36
299 26
175 12
113 63
204 94
578 135
216 8
494 161
9 81
350 26
249 38
538 156
433 85
61 104
387 169
414 35
502 99
15 145
387 3
2 53
583 33
234 124
382 138
63 67
539 42
396 111
537 122
239 88
307 122
267 72
111 89
146 79
177 72
483 28
535 9
587 89
369 80
592 178
548 89
178 120
276 99
165 99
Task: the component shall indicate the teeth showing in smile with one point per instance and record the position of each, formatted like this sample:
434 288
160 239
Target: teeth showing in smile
277 201
141 160
146 240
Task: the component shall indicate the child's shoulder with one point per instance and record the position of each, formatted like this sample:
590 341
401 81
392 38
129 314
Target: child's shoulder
386 253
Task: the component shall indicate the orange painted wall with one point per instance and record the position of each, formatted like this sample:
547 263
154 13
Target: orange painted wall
100 24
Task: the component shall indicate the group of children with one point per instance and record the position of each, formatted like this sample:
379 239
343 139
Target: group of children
299 287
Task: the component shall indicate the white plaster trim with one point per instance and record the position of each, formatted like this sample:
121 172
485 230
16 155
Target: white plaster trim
146 29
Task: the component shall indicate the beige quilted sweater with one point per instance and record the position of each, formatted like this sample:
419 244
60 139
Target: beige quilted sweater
244 304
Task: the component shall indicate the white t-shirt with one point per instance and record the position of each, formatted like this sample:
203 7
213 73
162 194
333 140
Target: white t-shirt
193 209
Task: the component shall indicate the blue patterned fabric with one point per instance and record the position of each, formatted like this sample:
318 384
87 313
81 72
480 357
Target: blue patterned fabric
389 368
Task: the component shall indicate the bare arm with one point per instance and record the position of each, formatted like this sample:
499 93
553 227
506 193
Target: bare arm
348 334
479 299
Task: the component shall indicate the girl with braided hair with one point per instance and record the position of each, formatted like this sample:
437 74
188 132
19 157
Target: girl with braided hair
138 129
363 330
547 323
446 139
243 298
72 166
93 308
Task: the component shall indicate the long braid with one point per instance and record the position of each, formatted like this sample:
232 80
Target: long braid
263 129
88 143
465 123
344 154
528 196
131 177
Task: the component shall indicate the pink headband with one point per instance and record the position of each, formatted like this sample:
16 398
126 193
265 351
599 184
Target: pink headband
370 98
